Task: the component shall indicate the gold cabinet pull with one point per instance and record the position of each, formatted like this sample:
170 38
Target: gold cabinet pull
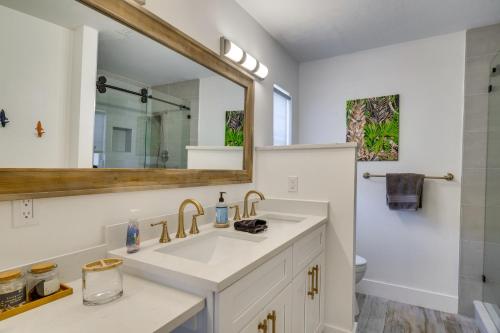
310 273
316 279
262 326
272 317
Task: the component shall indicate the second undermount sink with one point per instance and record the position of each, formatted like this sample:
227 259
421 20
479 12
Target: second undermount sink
281 218
212 248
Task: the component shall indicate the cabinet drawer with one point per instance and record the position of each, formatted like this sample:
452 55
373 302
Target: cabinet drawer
276 316
245 299
307 248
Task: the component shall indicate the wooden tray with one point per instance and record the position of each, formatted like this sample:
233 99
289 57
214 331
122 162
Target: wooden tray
63 292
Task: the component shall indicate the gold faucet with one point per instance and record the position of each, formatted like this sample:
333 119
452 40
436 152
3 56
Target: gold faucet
181 232
245 207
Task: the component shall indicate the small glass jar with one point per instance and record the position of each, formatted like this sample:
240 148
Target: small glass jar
102 281
12 289
43 280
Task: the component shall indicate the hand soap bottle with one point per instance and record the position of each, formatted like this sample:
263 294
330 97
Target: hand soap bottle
221 212
133 239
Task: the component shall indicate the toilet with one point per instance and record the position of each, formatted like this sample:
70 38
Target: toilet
360 268
360 273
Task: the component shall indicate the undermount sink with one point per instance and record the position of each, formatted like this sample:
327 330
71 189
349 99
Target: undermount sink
213 247
279 218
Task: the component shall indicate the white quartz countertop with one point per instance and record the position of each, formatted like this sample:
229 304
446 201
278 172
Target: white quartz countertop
144 307
216 275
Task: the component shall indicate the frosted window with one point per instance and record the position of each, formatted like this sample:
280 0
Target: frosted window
282 117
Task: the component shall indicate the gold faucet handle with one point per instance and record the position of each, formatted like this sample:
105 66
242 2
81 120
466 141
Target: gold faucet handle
253 211
237 216
164 238
194 225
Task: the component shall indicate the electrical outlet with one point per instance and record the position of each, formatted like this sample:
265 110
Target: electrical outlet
23 213
293 183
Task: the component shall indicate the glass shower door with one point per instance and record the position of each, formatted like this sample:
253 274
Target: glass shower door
168 136
491 289
121 126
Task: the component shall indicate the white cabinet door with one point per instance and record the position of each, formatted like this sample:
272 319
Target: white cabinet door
299 299
308 299
276 317
247 297
314 304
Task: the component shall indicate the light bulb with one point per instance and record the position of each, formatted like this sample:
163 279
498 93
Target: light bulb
233 51
261 71
249 63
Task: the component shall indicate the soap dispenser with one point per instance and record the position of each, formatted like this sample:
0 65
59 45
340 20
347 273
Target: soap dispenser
221 212
133 239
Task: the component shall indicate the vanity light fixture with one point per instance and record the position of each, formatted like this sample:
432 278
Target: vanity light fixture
236 54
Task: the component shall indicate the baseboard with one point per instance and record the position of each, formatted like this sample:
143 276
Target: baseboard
409 295
334 329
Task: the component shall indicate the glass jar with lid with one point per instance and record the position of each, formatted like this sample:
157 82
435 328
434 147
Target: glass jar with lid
12 289
43 280
102 281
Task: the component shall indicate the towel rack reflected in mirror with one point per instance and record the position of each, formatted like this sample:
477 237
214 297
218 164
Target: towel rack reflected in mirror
449 176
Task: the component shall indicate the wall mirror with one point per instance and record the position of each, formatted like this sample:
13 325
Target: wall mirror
103 96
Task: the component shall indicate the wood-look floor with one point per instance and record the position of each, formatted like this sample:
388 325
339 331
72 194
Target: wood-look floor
378 315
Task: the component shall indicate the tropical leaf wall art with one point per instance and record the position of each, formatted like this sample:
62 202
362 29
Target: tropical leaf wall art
234 128
374 124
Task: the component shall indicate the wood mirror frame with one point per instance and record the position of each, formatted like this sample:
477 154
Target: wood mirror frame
22 183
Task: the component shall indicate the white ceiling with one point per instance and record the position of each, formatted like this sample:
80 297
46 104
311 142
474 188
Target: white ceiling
122 51
316 29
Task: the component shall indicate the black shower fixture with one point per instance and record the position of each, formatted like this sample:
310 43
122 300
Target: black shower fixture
102 86
3 118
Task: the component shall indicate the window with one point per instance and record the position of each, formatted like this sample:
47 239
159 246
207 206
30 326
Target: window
282 117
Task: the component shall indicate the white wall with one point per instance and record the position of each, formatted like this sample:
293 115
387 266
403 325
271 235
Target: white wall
412 256
214 157
72 223
206 21
217 95
326 174
35 70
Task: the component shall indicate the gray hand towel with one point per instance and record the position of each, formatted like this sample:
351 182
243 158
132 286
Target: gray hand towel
404 191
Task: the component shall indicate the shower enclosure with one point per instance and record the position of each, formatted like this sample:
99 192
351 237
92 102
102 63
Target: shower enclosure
491 268
139 127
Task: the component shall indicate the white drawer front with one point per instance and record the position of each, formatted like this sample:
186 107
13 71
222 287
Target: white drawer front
245 299
277 316
307 248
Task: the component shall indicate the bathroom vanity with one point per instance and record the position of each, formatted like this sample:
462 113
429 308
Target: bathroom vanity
267 282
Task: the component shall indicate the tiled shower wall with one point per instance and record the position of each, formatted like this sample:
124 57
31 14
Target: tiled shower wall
482 45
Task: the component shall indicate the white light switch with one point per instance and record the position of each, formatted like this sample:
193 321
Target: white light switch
293 183
23 213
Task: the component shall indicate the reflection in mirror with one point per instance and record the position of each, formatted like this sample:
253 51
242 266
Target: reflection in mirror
108 96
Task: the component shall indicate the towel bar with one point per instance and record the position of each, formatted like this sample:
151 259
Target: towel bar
449 176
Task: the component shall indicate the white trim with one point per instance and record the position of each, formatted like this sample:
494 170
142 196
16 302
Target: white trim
310 146
483 319
335 329
409 295
231 148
